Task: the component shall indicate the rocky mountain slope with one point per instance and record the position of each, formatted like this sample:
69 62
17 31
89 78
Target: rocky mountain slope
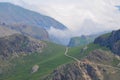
82 40
92 67
11 14
4 31
33 31
29 22
99 64
110 40
19 44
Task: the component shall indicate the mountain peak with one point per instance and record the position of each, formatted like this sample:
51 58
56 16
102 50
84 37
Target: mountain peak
10 14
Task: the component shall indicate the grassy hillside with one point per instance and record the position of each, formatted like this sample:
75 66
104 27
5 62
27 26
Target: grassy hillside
51 57
82 51
80 41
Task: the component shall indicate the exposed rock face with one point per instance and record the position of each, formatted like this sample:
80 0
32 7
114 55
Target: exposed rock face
116 47
17 43
77 71
92 67
100 56
111 41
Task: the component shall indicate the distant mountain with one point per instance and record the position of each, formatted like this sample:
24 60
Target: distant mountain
98 63
29 22
28 30
11 14
82 40
110 40
5 31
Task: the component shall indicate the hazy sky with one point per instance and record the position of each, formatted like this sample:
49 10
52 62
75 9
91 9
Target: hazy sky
80 16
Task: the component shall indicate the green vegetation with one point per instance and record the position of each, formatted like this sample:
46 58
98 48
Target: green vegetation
51 57
81 41
106 35
80 53
115 62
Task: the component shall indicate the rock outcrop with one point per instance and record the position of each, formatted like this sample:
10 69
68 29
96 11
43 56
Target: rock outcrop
35 68
17 44
77 71
93 67
110 40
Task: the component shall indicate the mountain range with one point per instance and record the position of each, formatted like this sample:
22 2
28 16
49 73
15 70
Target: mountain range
27 51
84 39
13 14
29 22
102 61
41 60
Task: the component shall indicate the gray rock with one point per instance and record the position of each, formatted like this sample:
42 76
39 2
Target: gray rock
35 68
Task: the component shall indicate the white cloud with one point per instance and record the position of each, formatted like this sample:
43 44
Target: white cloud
102 14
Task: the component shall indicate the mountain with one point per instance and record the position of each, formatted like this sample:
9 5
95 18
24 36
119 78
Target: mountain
19 44
25 54
98 61
33 31
110 40
82 40
56 62
11 14
92 67
29 22
5 31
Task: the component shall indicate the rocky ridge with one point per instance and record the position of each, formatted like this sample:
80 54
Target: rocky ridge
88 69
110 40
19 44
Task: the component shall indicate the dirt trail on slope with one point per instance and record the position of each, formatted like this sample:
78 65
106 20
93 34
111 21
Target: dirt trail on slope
77 60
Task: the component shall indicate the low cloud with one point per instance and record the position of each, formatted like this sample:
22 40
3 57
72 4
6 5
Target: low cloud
80 16
61 36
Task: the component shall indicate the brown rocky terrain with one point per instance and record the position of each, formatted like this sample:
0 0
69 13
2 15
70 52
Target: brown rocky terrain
92 67
19 44
4 31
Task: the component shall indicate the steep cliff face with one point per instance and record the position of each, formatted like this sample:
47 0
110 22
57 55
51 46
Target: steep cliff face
19 44
111 40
